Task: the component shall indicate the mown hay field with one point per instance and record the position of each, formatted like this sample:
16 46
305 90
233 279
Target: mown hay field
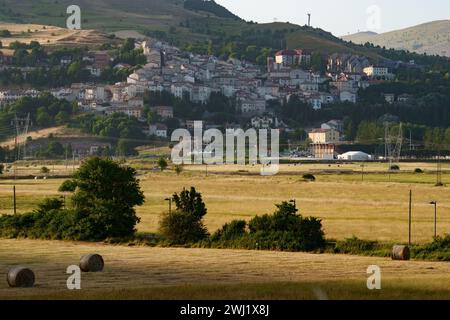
177 273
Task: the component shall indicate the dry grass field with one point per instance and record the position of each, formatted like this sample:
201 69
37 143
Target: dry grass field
176 273
50 35
374 209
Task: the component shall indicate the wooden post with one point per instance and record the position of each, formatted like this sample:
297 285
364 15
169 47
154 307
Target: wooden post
410 216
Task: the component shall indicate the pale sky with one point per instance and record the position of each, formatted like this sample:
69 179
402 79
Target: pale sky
345 16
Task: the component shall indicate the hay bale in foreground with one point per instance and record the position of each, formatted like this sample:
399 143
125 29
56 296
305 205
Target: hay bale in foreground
20 277
400 253
92 263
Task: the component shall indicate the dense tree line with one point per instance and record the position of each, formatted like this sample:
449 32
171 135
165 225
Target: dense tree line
45 111
125 132
103 195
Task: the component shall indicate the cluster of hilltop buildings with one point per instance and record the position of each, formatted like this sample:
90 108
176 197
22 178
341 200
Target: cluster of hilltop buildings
196 77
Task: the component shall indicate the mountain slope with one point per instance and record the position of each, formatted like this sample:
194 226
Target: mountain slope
431 38
174 20
108 15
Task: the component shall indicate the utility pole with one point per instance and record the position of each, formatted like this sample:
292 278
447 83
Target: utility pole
170 204
435 217
439 170
410 217
410 141
14 170
73 161
21 126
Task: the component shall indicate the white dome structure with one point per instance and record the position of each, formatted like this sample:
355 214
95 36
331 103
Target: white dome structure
355 156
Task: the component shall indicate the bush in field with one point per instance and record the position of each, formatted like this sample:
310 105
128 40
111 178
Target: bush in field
438 250
354 245
287 229
418 170
394 168
185 225
102 206
182 228
45 170
309 177
230 231
357 246
178 169
48 221
162 164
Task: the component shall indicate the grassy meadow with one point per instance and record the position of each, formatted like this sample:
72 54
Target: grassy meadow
373 208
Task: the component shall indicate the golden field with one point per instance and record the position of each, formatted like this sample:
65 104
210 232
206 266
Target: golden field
50 35
176 273
375 208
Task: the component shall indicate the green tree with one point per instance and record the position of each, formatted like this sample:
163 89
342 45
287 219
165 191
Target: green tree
62 118
104 199
318 63
447 138
162 164
43 119
45 170
190 201
125 148
74 69
178 169
185 225
55 148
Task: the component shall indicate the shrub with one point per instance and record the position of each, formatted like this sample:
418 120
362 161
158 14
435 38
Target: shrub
45 170
230 231
48 221
185 225
418 170
394 167
182 228
287 230
178 169
162 164
5 33
354 245
357 246
309 177
439 250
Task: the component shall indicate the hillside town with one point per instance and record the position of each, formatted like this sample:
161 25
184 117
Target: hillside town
196 77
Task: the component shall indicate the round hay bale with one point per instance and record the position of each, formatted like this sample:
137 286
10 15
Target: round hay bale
400 253
92 263
20 277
